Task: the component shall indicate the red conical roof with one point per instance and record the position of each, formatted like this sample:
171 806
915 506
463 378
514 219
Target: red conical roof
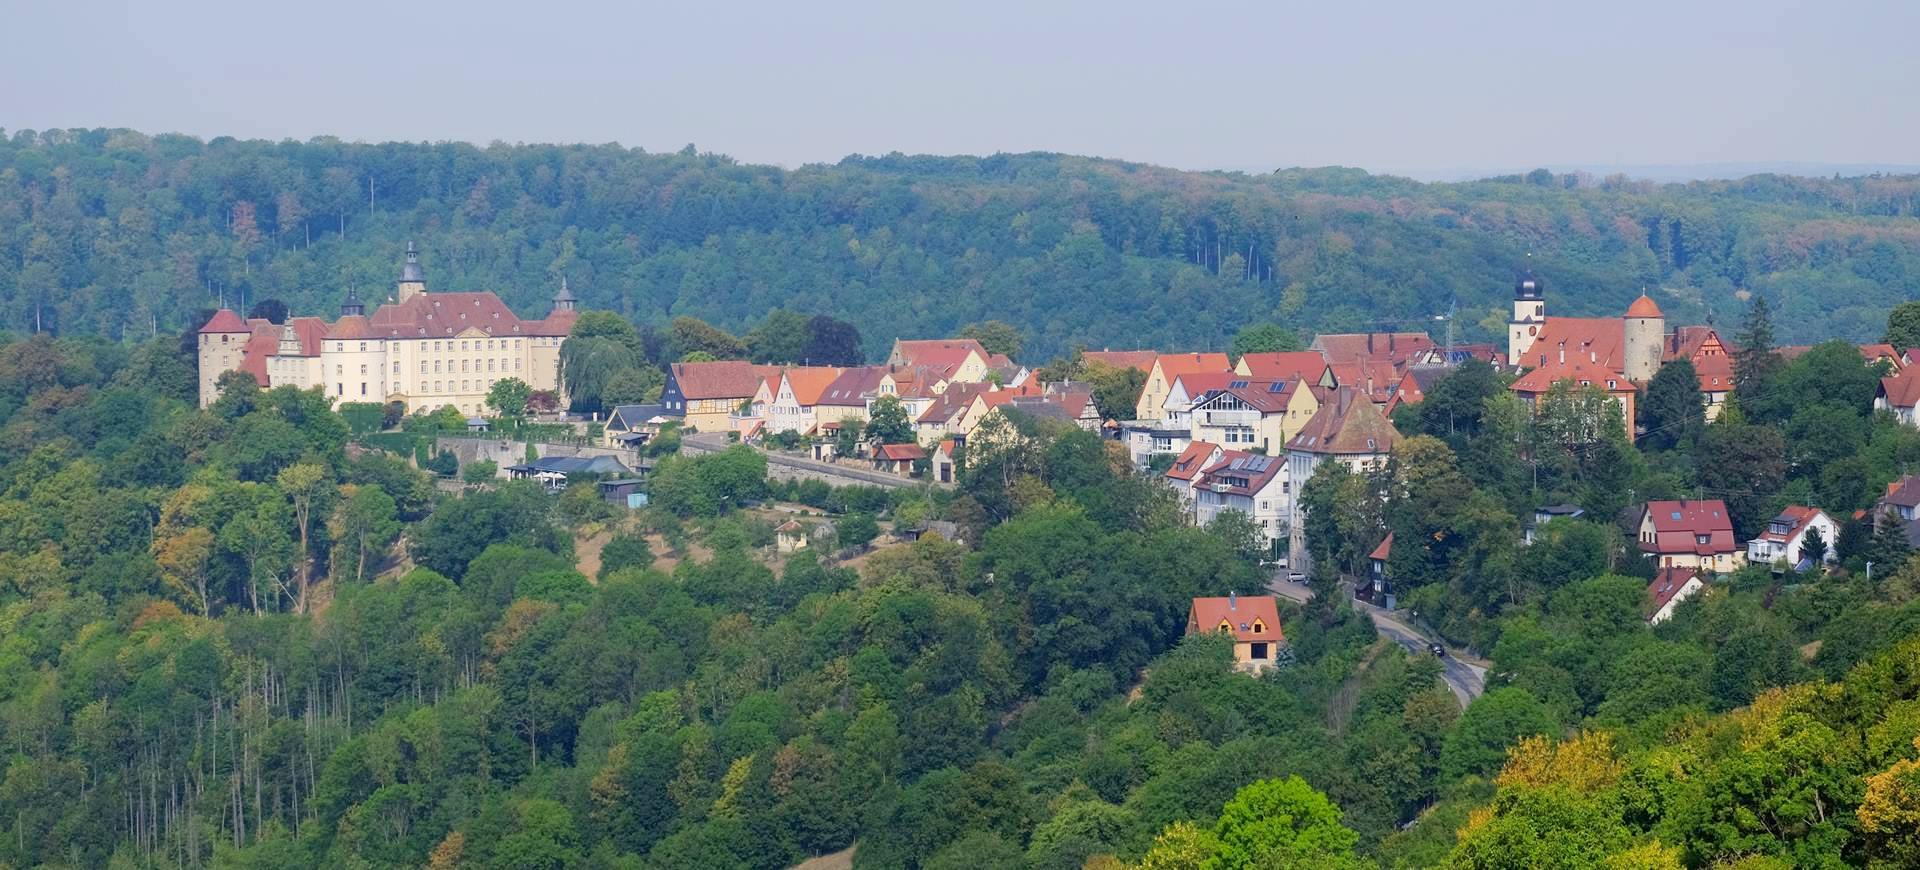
1643 307
225 320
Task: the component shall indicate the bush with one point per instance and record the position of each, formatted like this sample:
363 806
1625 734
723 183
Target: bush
857 530
480 471
444 464
625 551
363 417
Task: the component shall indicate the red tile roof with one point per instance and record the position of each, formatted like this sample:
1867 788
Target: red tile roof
224 320
1346 424
1578 371
939 351
1383 552
1667 582
1173 365
1240 613
350 326
1794 518
723 379
809 383
309 331
1691 342
444 315
1242 473
1122 359
1374 377
1197 384
901 452
1191 460
1901 390
1394 347
852 386
1715 373
1644 307
1265 396
1305 365
263 343
1678 527
1595 340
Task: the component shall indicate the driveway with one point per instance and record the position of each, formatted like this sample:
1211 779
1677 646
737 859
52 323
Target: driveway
1467 680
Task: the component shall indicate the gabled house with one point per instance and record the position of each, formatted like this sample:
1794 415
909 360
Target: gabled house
951 414
1378 589
708 395
1186 389
1187 467
1900 394
1347 429
1716 382
796 392
1785 540
898 458
1412 387
1687 533
1901 505
1253 415
957 359
1671 586
945 462
1168 366
1391 349
846 397
1252 621
1250 483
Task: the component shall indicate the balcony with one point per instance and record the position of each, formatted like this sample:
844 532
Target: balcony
1229 418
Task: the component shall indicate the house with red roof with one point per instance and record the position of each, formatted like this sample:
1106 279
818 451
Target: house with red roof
1166 367
1253 484
1784 543
1389 350
1690 533
1900 395
423 350
956 359
708 395
897 458
1185 389
1250 414
1347 429
1671 586
1253 621
1185 470
1378 589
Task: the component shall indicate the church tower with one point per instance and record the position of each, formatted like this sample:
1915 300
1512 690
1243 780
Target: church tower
1529 316
564 300
1645 337
413 282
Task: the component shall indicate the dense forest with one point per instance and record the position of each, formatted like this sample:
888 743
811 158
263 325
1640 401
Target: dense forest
124 234
245 636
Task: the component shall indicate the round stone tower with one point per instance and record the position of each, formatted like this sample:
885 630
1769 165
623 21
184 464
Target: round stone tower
1645 338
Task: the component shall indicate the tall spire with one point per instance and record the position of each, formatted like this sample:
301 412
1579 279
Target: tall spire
413 281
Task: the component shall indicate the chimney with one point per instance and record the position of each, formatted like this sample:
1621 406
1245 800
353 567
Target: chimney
1233 601
1369 343
1563 353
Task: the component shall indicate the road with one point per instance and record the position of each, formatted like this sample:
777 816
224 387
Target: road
1465 679
714 442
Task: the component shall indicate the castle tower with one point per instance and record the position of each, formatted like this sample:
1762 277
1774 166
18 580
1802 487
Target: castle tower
413 282
222 341
1529 316
1645 336
352 307
564 300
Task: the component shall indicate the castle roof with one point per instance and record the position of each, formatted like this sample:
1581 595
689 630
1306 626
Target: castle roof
224 320
1643 307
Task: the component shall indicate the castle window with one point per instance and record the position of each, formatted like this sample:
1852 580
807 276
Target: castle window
363 347
363 368
423 386
436 386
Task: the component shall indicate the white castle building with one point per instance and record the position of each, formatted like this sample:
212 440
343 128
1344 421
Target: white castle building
424 350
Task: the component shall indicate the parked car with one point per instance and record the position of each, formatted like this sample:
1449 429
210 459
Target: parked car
1439 652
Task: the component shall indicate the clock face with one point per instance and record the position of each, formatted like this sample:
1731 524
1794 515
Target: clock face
1533 330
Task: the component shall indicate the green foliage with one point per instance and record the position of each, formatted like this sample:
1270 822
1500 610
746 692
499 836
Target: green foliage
996 336
705 486
856 531
1264 338
887 421
508 397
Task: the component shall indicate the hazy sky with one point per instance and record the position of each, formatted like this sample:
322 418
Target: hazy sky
1387 86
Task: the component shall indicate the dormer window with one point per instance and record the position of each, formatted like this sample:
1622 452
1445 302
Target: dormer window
1259 627
1226 626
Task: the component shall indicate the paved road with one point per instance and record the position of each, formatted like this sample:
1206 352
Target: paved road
1465 679
711 442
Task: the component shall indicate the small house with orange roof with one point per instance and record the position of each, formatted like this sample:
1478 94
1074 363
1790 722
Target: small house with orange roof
958 359
796 391
1166 367
1253 621
898 458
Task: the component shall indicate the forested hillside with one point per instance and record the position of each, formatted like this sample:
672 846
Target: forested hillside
124 234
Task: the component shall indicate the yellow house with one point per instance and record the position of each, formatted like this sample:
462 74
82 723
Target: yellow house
1252 621
955 359
1167 367
1254 414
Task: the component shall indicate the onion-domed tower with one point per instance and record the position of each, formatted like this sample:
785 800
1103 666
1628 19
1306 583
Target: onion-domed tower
1529 316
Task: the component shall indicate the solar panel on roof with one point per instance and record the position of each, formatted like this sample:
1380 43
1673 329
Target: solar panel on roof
1238 385
1277 386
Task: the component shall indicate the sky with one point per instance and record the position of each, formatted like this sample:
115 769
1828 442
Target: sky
1425 88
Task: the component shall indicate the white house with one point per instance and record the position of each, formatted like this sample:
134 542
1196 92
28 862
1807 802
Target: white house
1349 429
1187 467
1251 483
1785 539
1671 585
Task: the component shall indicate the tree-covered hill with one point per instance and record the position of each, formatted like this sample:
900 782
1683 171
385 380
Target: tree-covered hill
126 234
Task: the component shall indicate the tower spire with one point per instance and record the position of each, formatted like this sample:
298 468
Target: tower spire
413 280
